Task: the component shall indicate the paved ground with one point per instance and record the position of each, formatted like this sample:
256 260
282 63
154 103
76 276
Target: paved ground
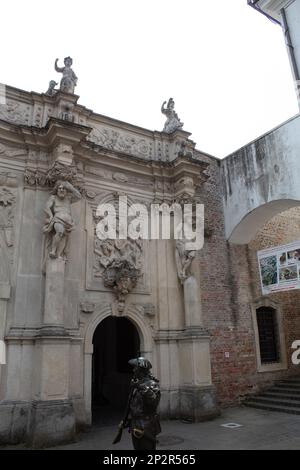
258 430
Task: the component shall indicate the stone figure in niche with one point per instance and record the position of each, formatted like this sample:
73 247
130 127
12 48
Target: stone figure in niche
69 79
173 122
51 90
183 256
184 260
7 204
7 201
59 222
141 416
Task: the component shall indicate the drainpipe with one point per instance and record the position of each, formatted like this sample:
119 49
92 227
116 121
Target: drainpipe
291 54
289 45
254 4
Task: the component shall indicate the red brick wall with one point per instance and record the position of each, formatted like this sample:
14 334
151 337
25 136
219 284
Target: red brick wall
230 283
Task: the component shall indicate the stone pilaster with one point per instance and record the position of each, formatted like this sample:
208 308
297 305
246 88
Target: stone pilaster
197 395
4 297
192 303
52 419
54 296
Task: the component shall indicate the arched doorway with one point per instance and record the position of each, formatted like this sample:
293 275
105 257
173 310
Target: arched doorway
115 341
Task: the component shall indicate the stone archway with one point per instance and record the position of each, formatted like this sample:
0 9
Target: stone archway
133 316
115 341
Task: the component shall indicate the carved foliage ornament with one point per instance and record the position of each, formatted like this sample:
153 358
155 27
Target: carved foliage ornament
122 142
57 172
15 112
7 200
120 264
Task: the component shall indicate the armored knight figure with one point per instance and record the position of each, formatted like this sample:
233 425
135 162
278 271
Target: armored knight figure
141 413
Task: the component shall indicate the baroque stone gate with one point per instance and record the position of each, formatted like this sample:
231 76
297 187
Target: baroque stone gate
58 281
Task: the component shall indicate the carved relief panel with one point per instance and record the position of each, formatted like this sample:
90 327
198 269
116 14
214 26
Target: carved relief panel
115 265
8 182
17 113
122 142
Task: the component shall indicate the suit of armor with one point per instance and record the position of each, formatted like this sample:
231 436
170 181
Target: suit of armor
143 420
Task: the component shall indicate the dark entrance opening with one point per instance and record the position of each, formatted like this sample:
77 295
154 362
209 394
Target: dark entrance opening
268 335
115 341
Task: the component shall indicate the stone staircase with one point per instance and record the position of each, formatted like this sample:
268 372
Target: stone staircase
283 396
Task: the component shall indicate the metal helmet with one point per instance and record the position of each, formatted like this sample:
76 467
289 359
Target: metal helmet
140 363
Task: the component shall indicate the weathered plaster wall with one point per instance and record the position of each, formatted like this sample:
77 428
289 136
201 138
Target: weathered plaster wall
260 180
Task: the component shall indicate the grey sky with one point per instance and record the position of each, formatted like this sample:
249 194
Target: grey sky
224 64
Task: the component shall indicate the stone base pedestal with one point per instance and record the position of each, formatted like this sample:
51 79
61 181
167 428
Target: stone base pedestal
51 423
198 403
13 421
197 395
192 303
169 406
54 292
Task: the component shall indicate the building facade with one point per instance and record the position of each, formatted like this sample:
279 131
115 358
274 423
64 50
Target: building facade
75 308
59 281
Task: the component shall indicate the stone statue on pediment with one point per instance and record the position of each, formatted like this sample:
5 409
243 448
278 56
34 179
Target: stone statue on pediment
173 122
51 89
69 79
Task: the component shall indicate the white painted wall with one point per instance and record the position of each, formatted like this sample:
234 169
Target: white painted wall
261 180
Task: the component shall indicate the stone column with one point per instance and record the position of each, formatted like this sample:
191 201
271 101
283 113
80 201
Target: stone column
197 395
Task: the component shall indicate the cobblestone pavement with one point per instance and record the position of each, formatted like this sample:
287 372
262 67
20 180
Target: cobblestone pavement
257 429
